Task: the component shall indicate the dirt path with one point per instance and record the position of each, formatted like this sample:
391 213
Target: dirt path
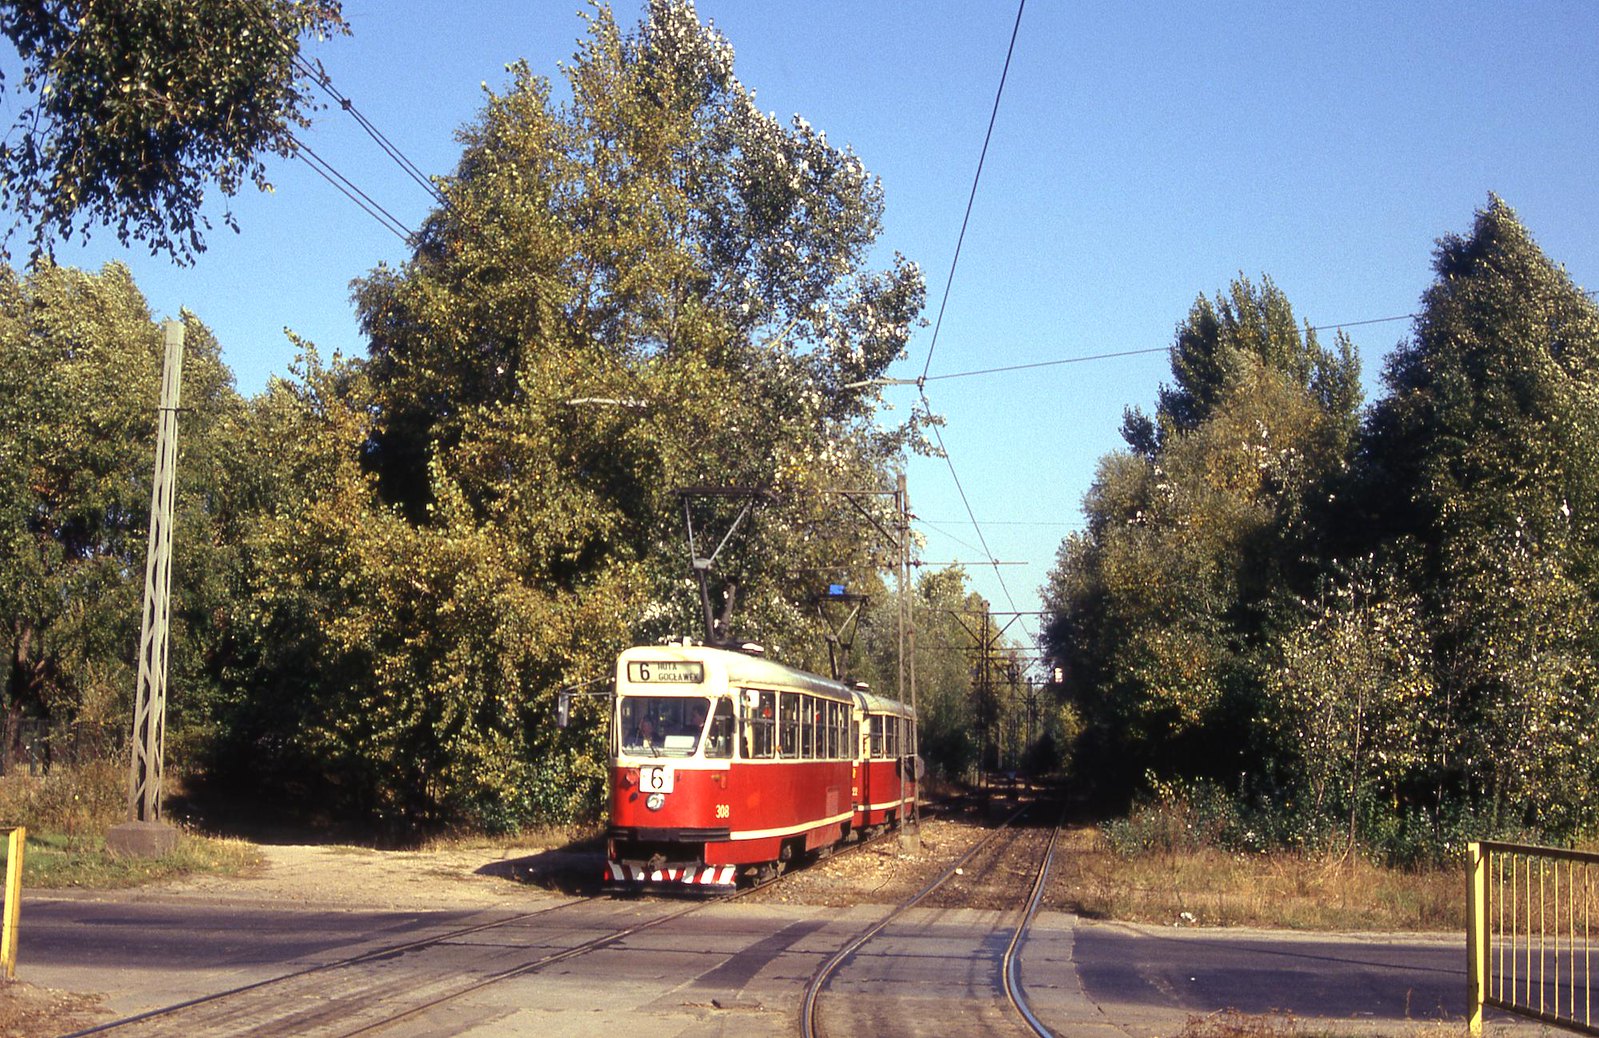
473 875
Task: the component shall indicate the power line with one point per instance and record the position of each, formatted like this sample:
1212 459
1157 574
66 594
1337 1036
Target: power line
961 490
1000 522
320 77
1356 324
1050 363
1130 353
349 189
993 116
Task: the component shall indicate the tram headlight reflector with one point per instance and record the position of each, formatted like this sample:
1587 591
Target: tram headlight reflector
655 801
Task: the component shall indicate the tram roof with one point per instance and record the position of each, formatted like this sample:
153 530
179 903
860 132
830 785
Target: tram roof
748 669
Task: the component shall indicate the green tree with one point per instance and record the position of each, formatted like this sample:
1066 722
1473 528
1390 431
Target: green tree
79 386
1210 346
1479 465
649 286
1162 607
127 111
1355 713
944 613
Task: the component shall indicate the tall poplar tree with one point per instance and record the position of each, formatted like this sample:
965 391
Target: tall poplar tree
1162 607
1479 470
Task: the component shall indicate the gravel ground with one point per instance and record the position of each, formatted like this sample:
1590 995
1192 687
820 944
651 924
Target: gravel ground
470 875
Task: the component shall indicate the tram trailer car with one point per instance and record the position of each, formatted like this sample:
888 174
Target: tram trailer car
726 764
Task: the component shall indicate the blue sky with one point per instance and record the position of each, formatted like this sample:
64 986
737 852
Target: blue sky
1143 154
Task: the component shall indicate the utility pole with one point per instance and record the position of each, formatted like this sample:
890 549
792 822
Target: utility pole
907 649
144 834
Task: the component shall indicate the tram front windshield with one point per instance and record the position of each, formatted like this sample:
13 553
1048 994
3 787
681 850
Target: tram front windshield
662 726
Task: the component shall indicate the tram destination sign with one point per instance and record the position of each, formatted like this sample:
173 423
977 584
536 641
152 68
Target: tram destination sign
666 672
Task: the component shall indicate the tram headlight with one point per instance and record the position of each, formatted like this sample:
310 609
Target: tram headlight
655 801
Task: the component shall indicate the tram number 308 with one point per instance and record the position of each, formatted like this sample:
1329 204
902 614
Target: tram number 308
656 779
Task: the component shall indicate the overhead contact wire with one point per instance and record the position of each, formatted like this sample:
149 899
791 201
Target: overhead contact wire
348 187
320 77
976 179
972 516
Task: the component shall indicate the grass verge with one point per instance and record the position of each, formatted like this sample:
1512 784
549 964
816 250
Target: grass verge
55 861
1211 887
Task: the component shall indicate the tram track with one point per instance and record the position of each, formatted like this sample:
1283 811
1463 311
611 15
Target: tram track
938 898
192 1009
364 994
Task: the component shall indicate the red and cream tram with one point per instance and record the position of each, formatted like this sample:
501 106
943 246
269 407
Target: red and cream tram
726 764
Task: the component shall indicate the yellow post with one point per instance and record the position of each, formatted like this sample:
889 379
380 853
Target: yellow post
1476 935
13 904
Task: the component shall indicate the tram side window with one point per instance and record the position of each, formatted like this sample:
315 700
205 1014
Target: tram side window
832 729
788 724
892 724
760 724
807 714
877 735
719 737
854 736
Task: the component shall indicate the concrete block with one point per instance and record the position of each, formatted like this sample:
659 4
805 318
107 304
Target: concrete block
142 839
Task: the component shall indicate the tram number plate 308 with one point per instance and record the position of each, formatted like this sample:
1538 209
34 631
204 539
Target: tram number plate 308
655 778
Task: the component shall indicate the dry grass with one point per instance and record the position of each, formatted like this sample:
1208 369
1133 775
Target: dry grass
1233 1024
28 1011
75 802
1209 887
68 810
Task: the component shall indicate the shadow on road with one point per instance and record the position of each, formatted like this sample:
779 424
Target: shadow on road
576 870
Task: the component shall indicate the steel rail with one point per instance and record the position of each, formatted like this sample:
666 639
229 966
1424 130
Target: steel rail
1010 967
323 967
594 944
388 951
825 972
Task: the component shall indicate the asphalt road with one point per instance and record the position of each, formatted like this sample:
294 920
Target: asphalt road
1138 973
740 969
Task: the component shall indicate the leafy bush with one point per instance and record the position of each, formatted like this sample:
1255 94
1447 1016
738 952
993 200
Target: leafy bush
75 801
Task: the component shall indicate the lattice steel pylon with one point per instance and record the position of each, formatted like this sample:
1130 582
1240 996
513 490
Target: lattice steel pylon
150 703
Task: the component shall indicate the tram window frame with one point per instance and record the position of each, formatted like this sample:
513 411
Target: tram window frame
854 736
832 729
760 740
875 751
718 740
788 707
807 727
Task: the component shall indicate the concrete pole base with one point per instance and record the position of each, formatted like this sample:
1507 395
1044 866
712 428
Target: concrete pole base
142 839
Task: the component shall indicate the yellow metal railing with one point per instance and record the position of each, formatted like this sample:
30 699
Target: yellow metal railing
13 902
1530 933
